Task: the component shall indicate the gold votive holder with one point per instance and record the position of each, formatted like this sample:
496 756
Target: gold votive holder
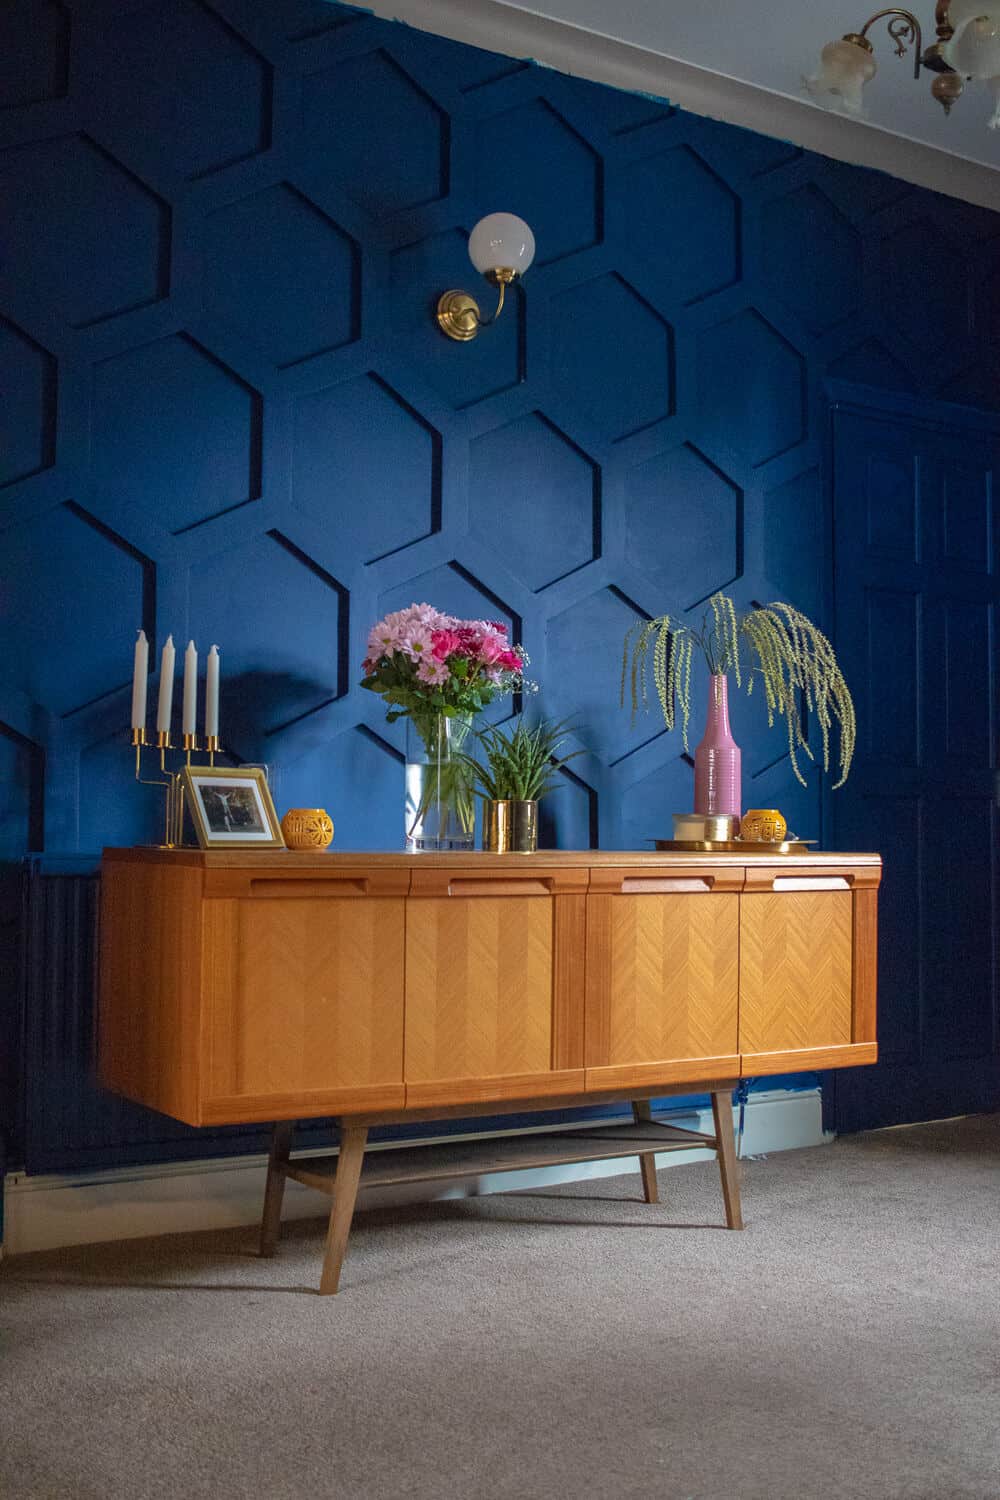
763 825
307 828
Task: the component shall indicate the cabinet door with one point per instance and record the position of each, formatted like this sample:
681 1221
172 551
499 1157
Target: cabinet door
303 980
494 985
807 977
662 977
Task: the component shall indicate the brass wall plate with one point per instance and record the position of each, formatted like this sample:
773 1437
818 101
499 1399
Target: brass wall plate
458 315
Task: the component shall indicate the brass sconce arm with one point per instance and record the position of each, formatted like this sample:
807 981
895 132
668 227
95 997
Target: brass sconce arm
458 313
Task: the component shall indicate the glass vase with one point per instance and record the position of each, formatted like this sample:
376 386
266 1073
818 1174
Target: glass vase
440 807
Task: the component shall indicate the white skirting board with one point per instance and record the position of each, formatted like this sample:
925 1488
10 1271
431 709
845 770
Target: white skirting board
46 1212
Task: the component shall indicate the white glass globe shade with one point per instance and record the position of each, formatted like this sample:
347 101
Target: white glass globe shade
501 241
974 50
845 68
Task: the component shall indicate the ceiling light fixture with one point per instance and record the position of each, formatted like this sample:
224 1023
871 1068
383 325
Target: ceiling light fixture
502 247
967 47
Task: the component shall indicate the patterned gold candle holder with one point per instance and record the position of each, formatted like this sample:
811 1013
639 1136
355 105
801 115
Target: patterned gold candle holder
307 828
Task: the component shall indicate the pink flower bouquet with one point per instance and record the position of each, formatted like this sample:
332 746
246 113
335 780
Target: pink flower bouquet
426 663
438 672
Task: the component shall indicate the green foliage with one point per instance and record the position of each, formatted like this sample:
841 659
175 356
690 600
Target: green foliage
409 696
520 765
776 642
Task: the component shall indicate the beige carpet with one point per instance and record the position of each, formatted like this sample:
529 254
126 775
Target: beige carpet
567 1344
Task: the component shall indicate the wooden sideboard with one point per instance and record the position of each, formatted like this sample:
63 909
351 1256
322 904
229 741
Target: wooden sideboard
277 986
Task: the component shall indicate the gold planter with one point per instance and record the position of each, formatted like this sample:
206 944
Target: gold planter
510 827
307 828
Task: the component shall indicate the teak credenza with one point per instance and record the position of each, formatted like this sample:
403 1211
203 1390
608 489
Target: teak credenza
375 988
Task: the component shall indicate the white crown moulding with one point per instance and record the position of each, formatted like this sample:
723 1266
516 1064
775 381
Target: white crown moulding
503 28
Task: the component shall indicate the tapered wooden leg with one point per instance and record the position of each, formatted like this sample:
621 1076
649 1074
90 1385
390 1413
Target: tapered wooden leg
274 1192
345 1191
725 1150
647 1164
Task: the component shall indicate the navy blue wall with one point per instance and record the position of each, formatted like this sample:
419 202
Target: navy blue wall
227 413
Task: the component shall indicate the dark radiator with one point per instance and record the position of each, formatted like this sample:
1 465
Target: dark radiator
66 1120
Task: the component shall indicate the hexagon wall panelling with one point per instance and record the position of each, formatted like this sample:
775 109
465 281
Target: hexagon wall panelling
517 469
356 117
701 253
283 275
274 441
28 412
751 389
175 433
683 525
615 353
826 288
34 52
81 232
519 153
74 596
179 74
217 282
340 483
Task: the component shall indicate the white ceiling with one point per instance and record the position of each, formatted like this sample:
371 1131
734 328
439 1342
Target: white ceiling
772 43
742 61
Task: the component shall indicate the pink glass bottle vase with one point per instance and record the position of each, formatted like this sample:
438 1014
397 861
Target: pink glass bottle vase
717 772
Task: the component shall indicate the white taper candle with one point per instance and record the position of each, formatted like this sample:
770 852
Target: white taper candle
140 680
212 694
166 699
190 717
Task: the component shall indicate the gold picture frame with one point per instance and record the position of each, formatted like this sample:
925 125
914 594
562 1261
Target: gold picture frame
240 816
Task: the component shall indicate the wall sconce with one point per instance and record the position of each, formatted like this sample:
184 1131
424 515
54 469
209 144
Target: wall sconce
967 46
502 247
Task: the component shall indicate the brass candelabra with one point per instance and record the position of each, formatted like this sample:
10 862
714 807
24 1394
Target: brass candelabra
171 780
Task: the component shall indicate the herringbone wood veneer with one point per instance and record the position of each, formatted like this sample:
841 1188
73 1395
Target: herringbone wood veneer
668 988
304 994
795 970
479 987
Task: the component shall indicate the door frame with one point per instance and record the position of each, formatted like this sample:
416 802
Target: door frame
855 398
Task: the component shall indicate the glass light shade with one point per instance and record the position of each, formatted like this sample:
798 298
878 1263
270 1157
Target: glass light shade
501 240
974 50
844 70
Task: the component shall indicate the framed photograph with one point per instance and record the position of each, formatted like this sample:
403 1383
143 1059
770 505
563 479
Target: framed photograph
231 808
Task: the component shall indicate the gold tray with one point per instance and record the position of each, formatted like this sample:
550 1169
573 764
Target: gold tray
733 846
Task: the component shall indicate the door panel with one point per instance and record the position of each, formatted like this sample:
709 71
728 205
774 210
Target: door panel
913 520
796 971
493 992
662 983
304 996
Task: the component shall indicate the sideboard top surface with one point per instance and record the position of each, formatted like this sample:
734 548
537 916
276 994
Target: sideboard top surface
270 859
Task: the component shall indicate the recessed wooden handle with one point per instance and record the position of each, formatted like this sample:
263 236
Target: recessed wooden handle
781 878
638 885
506 882
312 885
308 887
638 880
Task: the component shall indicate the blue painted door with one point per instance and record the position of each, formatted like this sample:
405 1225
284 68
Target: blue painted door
917 587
